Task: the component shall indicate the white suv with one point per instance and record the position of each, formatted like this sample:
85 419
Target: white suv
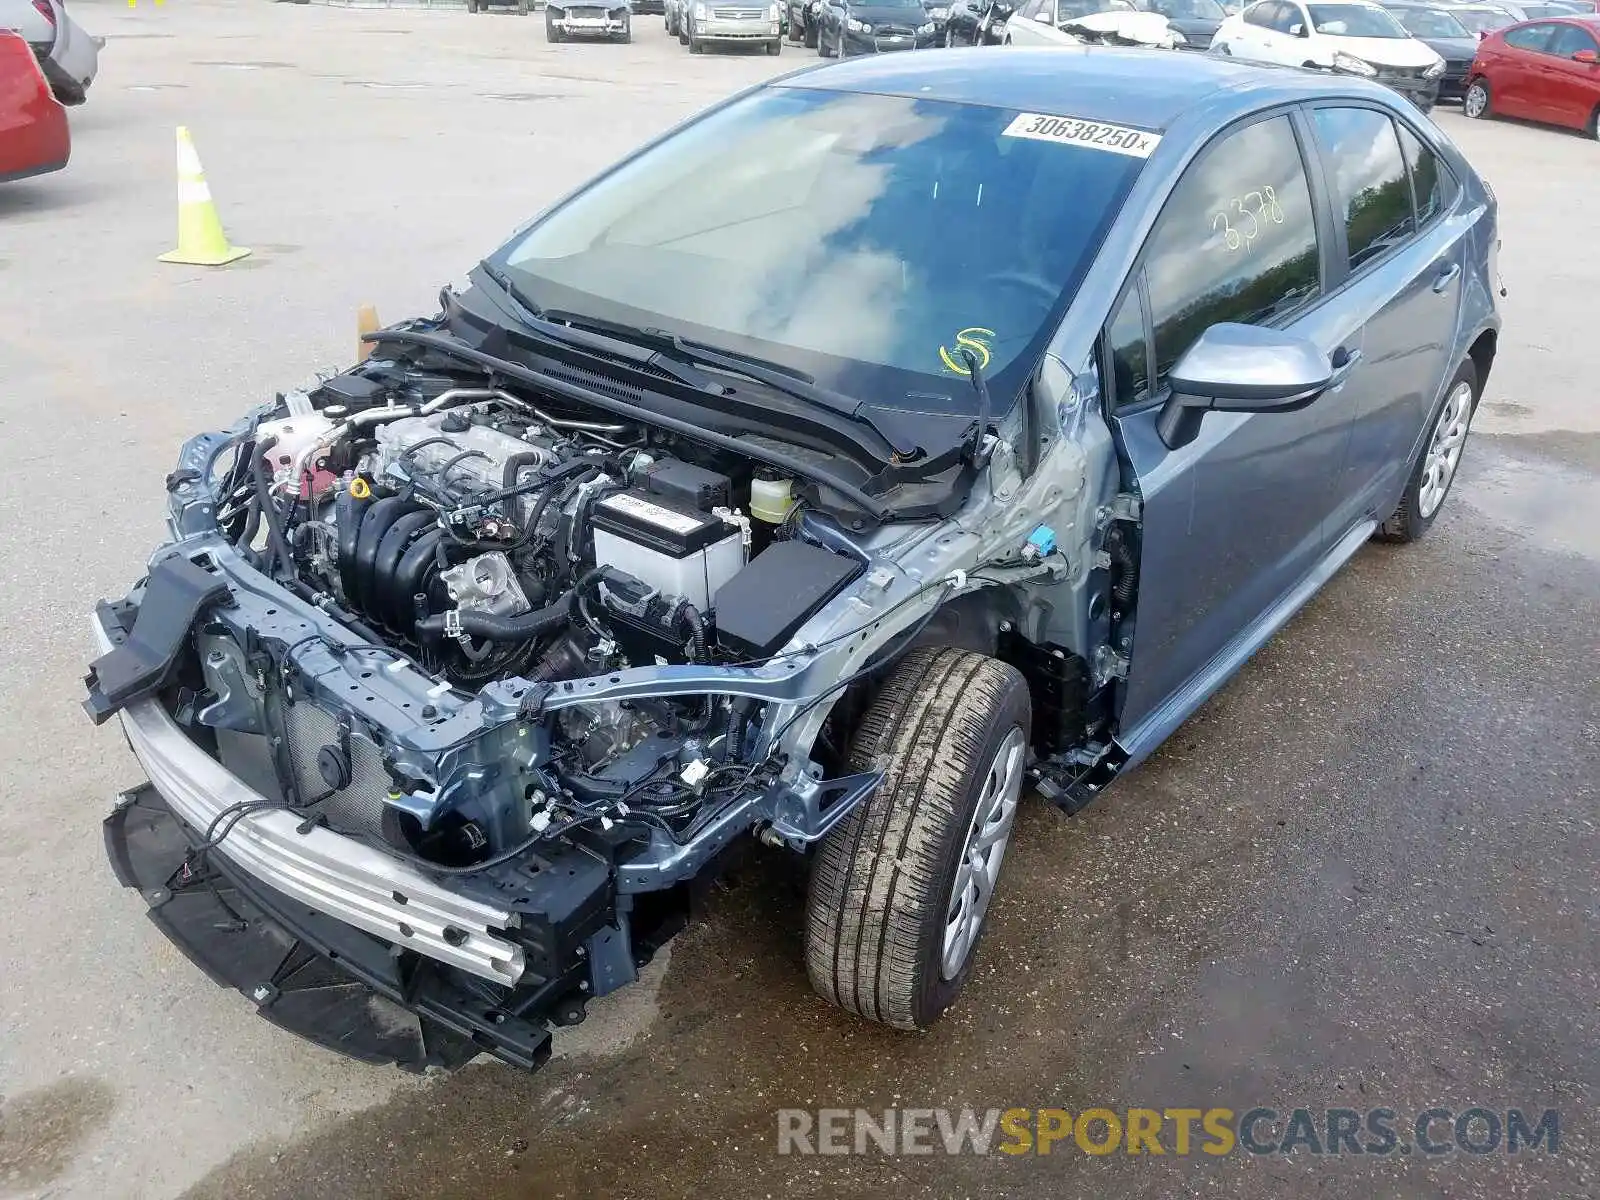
1351 36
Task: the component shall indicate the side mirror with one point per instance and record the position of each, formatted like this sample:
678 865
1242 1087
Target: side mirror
1244 368
1587 57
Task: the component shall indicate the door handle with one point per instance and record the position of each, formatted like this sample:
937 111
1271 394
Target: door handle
1344 361
1446 277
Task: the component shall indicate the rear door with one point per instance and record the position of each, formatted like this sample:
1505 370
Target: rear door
1235 519
1516 85
1250 38
1399 259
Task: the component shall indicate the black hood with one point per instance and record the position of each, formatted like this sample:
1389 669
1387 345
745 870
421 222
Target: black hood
911 15
1452 49
1196 29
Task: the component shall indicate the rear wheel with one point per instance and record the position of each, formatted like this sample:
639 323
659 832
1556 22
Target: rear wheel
1435 469
524 7
823 49
900 890
1476 102
811 35
1594 123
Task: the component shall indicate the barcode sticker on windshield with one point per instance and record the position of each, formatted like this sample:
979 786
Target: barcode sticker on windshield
1097 135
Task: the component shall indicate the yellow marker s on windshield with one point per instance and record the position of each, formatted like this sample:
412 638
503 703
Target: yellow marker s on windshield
972 337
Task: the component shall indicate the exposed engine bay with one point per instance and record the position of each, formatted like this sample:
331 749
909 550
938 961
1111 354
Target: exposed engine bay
467 680
488 538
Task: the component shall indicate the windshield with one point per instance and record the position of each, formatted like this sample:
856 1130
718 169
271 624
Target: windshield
1431 23
1482 20
861 239
1354 20
1189 10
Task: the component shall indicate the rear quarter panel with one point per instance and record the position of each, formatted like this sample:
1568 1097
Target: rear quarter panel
33 127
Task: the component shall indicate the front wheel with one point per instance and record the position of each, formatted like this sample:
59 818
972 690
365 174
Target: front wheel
696 46
900 889
823 49
775 46
551 33
1476 102
1435 469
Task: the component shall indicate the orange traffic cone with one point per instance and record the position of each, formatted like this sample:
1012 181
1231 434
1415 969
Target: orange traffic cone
201 241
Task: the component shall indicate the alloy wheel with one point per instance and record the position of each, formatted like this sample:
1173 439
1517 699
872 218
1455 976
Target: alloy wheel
1476 102
1444 450
982 853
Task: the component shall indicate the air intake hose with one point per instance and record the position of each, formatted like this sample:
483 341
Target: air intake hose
523 628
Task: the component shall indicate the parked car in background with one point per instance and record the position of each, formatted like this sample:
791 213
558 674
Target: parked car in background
1349 36
1535 12
524 7
1482 18
1197 20
977 22
1074 22
649 8
34 138
609 20
67 54
848 27
802 20
938 12
1437 28
1546 71
734 22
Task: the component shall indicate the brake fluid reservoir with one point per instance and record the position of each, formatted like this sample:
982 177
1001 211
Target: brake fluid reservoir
771 499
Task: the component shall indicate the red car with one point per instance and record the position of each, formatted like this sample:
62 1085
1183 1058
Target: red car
1542 70
33 126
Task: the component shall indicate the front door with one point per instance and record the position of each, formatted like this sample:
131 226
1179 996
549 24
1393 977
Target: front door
1566 85
1235 519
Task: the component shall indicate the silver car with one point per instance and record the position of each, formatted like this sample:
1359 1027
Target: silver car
69 55
891 438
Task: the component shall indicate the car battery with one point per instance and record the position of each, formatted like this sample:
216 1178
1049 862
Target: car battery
686 554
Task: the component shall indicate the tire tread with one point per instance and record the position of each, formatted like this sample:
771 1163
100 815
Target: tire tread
876 879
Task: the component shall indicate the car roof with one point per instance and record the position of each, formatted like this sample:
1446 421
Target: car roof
1094 83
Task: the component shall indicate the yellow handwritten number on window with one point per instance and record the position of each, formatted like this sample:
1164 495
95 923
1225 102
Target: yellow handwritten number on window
1251 211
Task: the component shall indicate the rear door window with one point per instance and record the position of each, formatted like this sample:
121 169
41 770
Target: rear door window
1530 37
1433 187
1372 190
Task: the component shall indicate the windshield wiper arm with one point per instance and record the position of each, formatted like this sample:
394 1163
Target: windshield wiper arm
550 325
980 427
777 376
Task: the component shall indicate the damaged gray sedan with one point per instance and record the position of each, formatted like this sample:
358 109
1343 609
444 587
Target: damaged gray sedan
886 440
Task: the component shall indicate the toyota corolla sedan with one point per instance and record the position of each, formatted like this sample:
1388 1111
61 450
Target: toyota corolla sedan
889 439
